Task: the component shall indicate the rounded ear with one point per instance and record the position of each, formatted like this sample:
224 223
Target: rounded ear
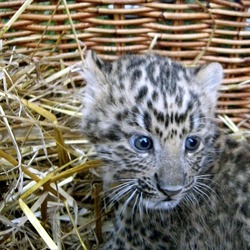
93 72
93 61
93 69
210 76
95 84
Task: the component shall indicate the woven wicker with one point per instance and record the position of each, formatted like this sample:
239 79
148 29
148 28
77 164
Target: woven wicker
188 31
44 157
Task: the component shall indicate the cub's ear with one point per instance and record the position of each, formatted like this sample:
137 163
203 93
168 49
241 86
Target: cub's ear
93 61
93 69
93 72
209 76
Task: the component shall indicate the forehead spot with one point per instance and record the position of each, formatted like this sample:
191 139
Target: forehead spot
142 93
147 121
155 96
135 78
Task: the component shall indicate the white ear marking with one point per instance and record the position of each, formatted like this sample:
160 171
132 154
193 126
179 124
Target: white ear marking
210 76
89 62
92 70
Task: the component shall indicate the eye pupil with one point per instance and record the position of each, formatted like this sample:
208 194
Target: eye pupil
142 143
192 143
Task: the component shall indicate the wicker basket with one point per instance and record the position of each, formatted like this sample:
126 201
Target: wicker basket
189 31
39 143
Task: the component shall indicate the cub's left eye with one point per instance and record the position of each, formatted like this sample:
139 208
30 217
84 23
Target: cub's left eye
141 142
192 143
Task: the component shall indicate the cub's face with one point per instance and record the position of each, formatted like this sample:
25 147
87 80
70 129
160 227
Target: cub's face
151 121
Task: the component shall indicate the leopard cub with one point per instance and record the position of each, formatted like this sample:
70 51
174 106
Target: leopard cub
176 181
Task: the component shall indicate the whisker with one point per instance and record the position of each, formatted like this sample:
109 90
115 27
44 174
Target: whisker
126 180
113 188
205 187
193 199
135 206
119 193
141 207
197 187
203 195
207 177
189 200
127 201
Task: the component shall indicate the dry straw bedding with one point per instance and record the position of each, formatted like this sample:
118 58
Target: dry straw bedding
49 199
43 158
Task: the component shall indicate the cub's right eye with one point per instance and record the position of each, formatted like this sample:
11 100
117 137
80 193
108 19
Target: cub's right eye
141 143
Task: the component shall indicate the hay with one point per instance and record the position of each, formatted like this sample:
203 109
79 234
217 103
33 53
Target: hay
44 167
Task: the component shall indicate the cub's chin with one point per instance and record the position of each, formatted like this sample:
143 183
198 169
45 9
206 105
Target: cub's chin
161 204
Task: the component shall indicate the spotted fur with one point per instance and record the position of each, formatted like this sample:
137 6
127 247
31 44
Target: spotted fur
168 196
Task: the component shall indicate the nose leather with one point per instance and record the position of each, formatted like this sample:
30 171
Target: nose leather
170 191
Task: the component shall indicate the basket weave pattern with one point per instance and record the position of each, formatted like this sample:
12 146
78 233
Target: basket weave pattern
189 31
44 157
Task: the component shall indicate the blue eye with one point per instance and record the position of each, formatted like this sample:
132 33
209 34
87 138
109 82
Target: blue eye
141 142
192 143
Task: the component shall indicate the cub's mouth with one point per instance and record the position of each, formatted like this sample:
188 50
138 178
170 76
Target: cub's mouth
161 204
160 201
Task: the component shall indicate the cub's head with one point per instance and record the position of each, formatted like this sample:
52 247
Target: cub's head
151 121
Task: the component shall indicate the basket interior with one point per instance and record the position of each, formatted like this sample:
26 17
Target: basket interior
41 140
